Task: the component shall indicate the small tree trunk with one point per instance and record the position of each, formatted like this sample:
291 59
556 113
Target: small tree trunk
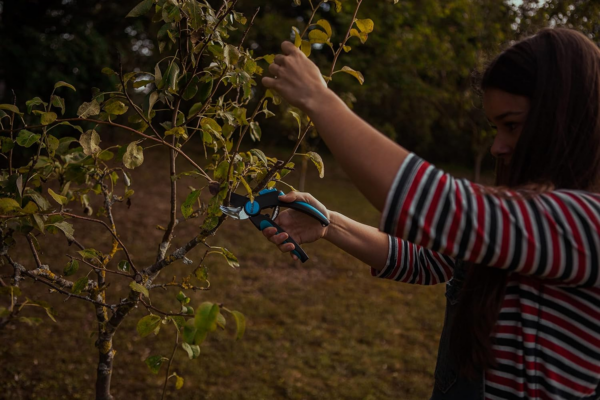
105 367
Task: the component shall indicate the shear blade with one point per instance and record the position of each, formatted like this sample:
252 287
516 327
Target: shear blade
234 212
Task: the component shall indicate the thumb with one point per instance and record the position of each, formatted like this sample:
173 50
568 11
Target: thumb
289 197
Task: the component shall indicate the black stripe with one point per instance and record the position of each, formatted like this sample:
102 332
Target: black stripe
543 245
437 270
426 187
423 268
557 214
518 239
467 211
584 294
492 229
404 265
591 246
393 259
415 264
501 393
409 171
443 216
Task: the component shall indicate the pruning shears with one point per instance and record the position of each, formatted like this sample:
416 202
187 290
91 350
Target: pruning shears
243 208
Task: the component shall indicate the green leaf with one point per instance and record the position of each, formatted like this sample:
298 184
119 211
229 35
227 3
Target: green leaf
31 208
154 362
27 138
48 118
90 141
170 77
205 90
210 223
323 23
229 256
9 107
31 321
240 322
65 84
123 266
178 131
365 25
134 156
255 131
8 205
90 253
87 110
232 55
201 273
108 71
62 200
187 208
66 228
221 170
148 324
10 290
141 9
354 73
260 155
36 101
139 288
52 144
49 310
71 268
317 36
72 126
315 158
59 102
206 317
7 144
116 108
79 285
194 109
192 350
191 89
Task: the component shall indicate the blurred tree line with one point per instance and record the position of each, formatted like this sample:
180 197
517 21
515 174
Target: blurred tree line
420 64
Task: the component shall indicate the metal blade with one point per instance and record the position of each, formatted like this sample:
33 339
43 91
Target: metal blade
234 212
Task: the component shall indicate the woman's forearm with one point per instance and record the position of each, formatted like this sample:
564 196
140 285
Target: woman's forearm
364 242
369 158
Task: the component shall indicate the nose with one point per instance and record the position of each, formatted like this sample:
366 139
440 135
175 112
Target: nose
501 149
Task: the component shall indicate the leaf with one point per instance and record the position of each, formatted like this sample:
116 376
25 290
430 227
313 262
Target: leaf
154 362
206 317
48 118
297 37
27 138
191 89
365 25
323 23
90 141
59 102
65 84
221 170
297 116
261 156
79 285
178 382
31 208
178 131
192 350
71 268
90 253
10 290
116 108
170 77
139 288
141 9
134 156
361 35
123 266
318 36
36 101
201 273
9 107
306 48
354 73
187 208
240 322
7 144
194 109
52 144
62 200
206 88
148 324
210 124
229 256
87 110
72 126
31 321
315 158
8 205
232 55
47 307
66 228
210 223
255 131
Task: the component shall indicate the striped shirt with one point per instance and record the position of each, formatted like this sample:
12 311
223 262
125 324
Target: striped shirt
547 337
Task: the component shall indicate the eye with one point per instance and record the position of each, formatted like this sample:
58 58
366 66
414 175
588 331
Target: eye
511 126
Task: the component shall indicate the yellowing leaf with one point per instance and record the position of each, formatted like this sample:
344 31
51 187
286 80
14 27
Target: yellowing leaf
139 288
116 108
48 118
148 324
306 48
178 382
297 37
8 205
317 36
90 141
354 73
61 84
178 131
88 109
62 200
315 158
134 156
365 25
323 23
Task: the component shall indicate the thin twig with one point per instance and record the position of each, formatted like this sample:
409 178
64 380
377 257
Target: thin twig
170 361
33 250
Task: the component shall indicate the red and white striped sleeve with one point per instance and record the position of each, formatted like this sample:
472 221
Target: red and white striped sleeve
410 263
554 235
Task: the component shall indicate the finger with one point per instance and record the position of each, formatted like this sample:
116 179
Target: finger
274 69
269 83
268 232
279 59
289 197
286 247
279 239
295 257
288 48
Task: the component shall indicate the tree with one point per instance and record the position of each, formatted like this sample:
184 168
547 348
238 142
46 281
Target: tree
201 90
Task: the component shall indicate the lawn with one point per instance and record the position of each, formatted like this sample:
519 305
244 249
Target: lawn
322 330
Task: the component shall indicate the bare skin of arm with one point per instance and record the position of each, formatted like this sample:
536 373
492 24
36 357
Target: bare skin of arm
364 242
369 158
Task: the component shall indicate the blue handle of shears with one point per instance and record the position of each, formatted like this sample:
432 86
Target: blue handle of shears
298 252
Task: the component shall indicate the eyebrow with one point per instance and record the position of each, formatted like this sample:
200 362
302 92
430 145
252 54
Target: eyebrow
509 113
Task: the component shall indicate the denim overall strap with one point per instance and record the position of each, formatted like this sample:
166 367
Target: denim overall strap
448 384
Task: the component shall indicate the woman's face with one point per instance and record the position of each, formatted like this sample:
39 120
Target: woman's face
507 113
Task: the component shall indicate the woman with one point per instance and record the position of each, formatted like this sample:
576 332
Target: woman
528 321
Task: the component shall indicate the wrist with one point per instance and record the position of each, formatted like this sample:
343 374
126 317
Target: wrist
319 102
333 225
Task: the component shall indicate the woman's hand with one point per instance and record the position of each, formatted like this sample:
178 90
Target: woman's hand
301 227
296 78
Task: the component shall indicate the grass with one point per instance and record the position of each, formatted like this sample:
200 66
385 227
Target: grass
322 330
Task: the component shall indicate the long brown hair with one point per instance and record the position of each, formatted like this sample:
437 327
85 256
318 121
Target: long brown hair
559 147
